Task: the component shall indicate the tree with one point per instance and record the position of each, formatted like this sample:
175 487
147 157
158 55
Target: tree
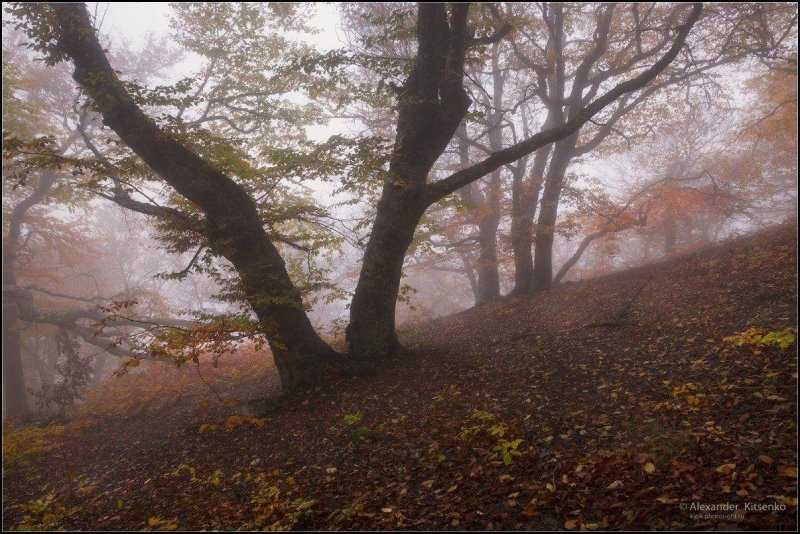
231 223
431 104
625 38
13 376
696 174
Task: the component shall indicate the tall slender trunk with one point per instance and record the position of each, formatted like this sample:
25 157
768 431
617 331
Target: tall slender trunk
488 274
468 195
670 234
13 376
470 274
521 234
488 268
548 214
487 209
525 199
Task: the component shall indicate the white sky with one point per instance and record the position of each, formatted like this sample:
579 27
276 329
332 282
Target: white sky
134 20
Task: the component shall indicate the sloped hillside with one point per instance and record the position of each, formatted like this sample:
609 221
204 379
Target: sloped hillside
528 413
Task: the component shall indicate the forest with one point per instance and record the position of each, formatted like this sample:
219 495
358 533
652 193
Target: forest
398 266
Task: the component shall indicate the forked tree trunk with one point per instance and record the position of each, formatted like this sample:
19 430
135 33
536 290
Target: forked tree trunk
525 199
548 214
431 105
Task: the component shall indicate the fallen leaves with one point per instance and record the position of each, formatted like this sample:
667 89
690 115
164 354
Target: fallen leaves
610 436
725 468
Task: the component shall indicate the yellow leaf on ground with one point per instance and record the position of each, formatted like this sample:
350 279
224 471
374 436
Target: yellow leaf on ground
725 468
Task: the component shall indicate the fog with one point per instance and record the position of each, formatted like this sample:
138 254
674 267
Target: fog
305 124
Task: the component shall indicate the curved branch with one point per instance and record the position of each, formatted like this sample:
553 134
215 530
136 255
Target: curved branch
440 189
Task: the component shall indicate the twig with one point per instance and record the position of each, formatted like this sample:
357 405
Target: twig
621 317
197 368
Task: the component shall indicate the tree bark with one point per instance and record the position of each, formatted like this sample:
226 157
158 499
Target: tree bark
431 105
548 214
488 274
372 312
488 268
525 199
13 374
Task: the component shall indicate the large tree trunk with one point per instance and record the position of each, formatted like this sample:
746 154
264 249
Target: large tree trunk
431 106
233 227
525 199
521 233
371 333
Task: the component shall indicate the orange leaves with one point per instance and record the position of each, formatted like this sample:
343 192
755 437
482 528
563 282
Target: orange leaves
162 524
689 391
233 421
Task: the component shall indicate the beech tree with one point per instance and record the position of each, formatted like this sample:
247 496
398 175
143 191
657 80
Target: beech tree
571 70
231 224
431 104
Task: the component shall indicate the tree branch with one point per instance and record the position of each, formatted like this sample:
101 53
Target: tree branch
437 190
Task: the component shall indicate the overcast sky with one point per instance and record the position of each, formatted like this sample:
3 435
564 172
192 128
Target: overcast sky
134 20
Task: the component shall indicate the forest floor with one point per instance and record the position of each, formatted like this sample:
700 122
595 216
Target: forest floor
513 415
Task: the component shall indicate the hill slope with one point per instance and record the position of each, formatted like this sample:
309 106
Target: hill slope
512 415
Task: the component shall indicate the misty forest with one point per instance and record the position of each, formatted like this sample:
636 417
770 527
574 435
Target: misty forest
396 266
